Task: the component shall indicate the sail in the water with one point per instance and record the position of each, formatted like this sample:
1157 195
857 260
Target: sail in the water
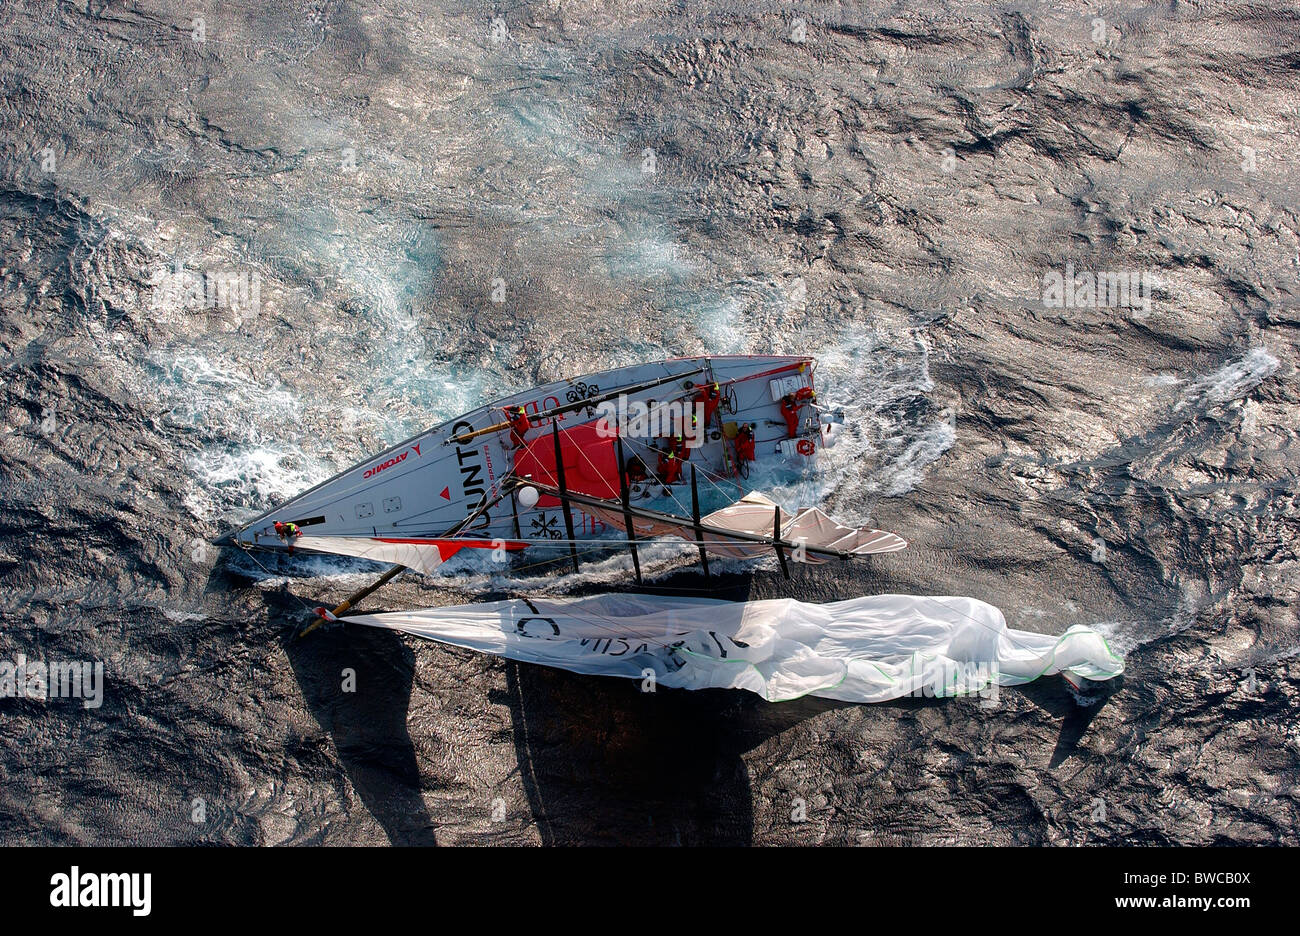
867 649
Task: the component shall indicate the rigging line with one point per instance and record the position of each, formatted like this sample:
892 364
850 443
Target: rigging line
725 533
613 625
397 447
489 499
250 554
710 475
552 561
684 392
594 543
493 496
542 562
649 447
589 402
341 495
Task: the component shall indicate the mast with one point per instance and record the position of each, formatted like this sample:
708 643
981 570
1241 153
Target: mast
564 500
626 496
776 542
699 530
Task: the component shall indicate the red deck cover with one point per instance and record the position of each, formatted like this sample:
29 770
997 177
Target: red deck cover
590 462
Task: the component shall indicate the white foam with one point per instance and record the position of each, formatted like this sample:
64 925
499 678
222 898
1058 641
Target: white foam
719 325
1231 381
908 470
250 477
885 450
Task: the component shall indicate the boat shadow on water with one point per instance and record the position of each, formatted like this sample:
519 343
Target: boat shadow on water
1074 710
600 760
605 762
369 728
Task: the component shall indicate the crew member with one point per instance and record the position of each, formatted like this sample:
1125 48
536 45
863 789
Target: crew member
710 396
745 443
670 466
680 448
519 425
636 472
288 532
790 413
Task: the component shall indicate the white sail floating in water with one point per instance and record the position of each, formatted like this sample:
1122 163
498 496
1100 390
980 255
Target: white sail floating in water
868 649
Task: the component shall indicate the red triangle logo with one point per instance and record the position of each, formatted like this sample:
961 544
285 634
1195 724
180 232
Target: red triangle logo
446 493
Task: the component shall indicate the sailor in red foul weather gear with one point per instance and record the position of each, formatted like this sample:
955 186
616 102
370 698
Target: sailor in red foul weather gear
791 403
709 396
636 472
674 472
745 443
680 448
519 425
790 413
670 466
288 532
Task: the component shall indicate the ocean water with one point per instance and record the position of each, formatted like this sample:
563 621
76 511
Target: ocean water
418 208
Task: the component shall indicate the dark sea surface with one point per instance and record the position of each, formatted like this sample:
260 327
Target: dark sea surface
885 186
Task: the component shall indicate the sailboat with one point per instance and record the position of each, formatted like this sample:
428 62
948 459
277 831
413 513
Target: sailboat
668 450
605 461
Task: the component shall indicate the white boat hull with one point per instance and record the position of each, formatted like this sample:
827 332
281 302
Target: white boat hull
427 485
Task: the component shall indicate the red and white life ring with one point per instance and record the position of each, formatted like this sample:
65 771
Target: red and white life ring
805 447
